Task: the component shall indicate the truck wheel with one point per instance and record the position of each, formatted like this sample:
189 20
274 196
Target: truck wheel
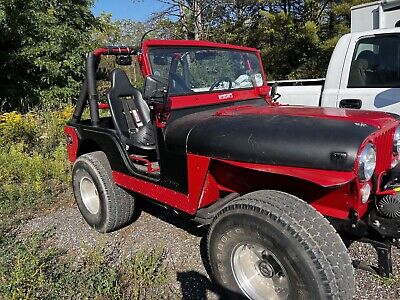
272 245
104 205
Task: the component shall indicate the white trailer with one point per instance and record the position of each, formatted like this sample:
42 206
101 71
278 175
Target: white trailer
375 15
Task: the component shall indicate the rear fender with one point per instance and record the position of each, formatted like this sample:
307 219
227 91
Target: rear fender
72 141
88 137
87 146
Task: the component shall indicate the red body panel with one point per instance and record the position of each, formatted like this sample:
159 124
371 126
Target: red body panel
210 192
197 170
204 99
334 200
72 142
325 178
338 202
192 43
205 190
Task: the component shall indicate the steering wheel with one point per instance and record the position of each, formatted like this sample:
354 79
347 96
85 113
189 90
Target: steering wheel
219 81
181 85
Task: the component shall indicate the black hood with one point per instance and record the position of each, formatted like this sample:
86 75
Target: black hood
287 140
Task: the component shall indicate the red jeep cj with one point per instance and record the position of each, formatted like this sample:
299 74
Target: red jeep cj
283 189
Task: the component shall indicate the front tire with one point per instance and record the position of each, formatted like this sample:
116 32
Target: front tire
272 245
104 205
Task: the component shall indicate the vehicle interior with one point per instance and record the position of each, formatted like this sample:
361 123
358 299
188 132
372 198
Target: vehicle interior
123 109
376 63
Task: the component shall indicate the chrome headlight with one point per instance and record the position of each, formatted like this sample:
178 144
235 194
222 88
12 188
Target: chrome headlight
367 162
396 141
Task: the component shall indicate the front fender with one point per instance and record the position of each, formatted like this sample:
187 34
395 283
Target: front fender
324 178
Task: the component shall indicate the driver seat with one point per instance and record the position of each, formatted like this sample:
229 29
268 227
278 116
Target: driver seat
131 114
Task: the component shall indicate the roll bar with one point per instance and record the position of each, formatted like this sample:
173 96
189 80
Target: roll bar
88 93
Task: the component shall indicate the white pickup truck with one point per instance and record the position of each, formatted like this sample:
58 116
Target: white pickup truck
364 70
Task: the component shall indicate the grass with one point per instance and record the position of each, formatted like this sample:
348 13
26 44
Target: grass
390 281
34 172
145 275
31 270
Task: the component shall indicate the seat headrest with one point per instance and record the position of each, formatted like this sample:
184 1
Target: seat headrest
369 56
121 83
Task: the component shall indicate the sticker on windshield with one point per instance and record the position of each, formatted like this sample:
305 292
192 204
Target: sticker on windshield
258 79
225 96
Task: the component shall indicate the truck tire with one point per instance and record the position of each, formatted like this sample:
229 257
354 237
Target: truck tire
272 245
104 205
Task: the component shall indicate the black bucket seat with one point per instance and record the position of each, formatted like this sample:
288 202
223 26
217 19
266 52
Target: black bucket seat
131 114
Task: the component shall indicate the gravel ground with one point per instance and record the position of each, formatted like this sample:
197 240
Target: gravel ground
182 241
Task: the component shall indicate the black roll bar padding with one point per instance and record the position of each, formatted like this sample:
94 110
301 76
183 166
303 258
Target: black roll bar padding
80 105
91 66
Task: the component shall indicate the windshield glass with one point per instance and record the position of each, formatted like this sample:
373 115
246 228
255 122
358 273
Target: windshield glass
198 70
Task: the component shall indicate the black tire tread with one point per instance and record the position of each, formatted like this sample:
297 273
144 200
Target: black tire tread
311 229
120 204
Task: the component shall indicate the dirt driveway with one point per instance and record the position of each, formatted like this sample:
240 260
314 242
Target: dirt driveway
183 243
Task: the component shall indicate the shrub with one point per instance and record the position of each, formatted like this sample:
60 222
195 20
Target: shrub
32 159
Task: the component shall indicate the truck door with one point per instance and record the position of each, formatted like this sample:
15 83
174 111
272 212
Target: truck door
371 75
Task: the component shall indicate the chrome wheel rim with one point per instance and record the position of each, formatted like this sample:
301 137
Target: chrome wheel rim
258 272
90 195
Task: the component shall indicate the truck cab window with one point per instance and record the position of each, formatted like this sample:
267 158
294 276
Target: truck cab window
376 63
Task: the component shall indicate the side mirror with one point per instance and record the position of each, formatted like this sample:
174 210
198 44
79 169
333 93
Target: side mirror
123 60
274 94
156 89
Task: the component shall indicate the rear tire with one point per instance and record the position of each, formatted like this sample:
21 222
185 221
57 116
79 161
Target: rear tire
272 245
104 205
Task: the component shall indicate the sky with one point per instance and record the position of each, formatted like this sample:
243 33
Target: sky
127 9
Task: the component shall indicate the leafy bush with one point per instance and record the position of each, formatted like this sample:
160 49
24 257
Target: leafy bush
32 159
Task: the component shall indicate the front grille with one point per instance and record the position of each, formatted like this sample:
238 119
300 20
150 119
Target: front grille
384 150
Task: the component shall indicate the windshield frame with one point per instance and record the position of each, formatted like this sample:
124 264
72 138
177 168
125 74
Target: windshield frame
207 46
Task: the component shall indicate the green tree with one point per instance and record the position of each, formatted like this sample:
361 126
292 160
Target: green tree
296 37
42 44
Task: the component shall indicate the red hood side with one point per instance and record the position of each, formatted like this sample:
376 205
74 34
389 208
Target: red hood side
372 118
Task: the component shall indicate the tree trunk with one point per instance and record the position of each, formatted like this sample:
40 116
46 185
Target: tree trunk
198 22
183 17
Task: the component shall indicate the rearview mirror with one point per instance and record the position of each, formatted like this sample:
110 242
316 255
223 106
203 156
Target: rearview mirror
205 55
156 89
123 60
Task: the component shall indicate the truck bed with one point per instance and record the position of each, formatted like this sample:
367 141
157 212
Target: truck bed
300 92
